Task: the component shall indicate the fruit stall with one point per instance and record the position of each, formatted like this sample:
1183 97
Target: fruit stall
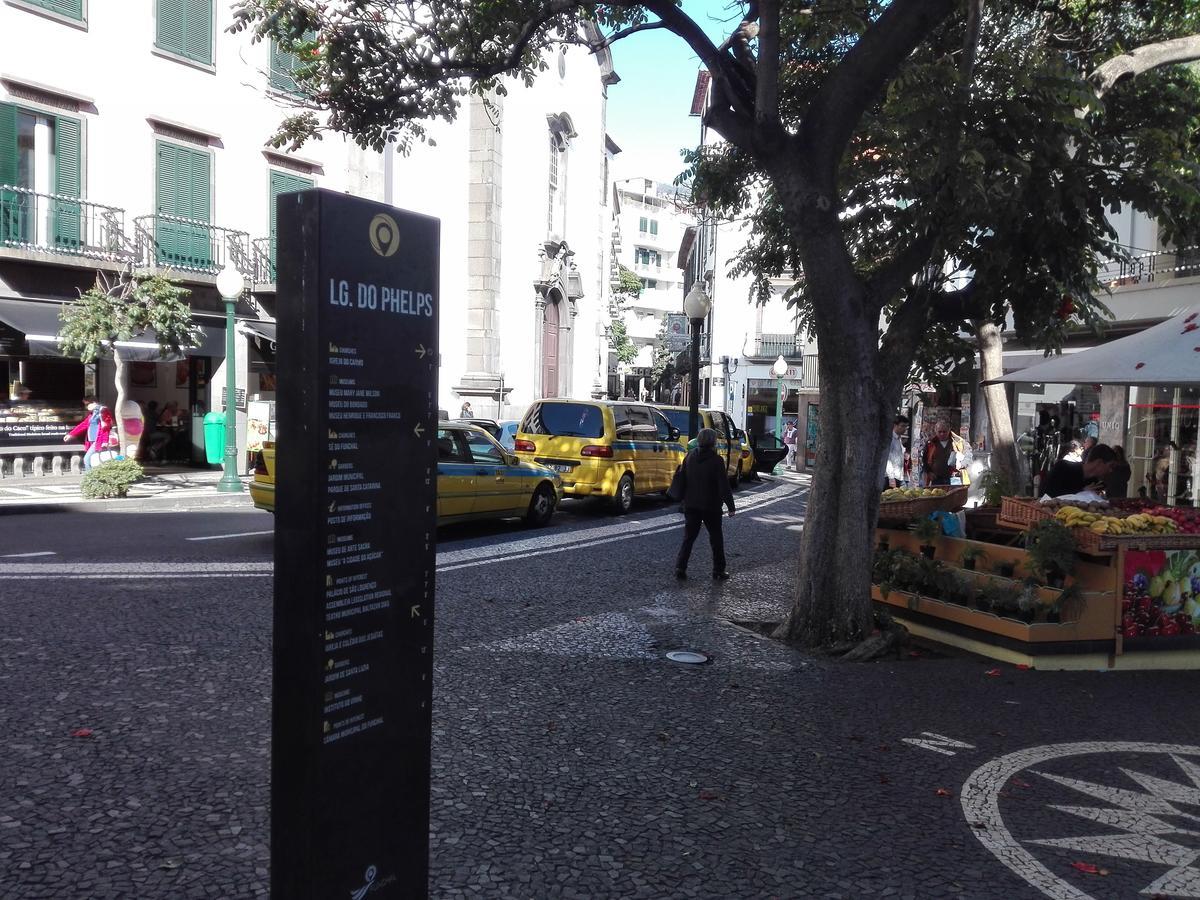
1095 586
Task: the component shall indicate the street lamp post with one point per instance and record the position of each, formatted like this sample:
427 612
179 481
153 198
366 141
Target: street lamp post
230 285
695 306
779 369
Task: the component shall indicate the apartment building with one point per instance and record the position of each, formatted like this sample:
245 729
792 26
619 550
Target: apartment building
137 135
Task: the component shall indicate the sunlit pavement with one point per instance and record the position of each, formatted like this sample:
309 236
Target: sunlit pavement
571 757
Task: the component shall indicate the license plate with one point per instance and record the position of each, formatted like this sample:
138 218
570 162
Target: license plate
562 467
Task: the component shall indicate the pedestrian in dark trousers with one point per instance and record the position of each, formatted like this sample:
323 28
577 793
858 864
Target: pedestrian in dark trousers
703 487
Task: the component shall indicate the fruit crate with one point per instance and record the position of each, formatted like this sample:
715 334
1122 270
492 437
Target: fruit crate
1022 512
953 500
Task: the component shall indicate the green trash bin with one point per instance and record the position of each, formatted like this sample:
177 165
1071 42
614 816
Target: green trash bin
214 437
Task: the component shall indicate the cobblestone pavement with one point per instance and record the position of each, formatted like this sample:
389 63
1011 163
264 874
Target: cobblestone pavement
571 759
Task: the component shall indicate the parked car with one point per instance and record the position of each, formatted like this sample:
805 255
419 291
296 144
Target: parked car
613 449
504 430
738 459
477 479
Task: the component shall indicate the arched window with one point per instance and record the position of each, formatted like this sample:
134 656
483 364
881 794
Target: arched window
561 132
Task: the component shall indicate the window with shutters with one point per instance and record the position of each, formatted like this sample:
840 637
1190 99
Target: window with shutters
41 178
183 206
284 183
287 69
185 28
67 9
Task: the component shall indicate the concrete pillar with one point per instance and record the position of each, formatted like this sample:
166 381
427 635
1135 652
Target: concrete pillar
76 464
18 467
39 466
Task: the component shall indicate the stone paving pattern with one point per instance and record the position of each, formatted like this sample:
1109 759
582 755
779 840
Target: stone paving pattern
570 758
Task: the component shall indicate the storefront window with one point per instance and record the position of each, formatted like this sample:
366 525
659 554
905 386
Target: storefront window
1161 444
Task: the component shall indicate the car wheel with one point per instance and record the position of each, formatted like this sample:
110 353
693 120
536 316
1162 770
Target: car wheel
541 506
623 501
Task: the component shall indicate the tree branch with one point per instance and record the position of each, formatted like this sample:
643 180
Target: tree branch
900 270
1143 59
860 76
597 46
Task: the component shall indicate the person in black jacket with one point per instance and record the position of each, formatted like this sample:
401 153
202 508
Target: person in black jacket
704 488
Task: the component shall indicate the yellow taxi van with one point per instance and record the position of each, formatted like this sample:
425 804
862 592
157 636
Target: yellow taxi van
731 440
615 449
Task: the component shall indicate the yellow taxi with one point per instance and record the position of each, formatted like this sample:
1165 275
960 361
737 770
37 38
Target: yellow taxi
477 479
731 440
613 449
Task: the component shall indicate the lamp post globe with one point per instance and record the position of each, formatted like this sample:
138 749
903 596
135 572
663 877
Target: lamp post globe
230 284
696 306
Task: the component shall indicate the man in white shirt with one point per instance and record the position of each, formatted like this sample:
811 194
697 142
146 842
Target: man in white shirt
893 471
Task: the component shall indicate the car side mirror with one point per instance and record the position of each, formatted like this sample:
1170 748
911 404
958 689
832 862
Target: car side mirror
672 433
738 434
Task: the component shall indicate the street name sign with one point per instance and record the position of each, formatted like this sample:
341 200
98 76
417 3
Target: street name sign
356 513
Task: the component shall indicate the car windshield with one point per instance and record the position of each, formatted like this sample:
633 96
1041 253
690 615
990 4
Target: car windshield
678 418
565 420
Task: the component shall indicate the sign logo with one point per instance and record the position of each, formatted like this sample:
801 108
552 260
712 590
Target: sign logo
384 234
369 875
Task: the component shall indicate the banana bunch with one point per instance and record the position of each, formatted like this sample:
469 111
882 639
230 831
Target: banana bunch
1140 523
912 493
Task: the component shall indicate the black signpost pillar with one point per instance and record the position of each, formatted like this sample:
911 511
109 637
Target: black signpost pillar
356 501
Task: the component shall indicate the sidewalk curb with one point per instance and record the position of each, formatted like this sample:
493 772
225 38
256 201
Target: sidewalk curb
131 504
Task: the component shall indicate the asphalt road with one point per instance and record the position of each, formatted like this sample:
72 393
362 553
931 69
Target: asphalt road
570 758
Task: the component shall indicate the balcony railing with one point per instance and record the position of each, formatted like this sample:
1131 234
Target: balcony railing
772 346
190 245
1159 265
52 223
262 251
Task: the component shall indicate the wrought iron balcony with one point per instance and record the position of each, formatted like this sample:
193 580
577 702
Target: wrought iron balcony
1159 265
772 346
262 250
55 224
190 245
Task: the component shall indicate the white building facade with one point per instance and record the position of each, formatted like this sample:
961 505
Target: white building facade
137 136
142 141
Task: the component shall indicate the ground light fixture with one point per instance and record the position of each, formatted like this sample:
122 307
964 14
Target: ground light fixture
230 284
696 306
779 369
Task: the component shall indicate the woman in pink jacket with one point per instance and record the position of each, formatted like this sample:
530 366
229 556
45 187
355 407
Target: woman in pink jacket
95 429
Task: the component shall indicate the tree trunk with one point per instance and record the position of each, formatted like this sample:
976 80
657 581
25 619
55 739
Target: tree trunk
122 384
833 579
991 365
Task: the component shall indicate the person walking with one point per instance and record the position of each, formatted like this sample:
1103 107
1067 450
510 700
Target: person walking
789 441
95 429
703 487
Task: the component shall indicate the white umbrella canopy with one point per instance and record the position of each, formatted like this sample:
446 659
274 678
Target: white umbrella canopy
1165 354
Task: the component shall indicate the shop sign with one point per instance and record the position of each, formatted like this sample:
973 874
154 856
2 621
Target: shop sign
355 535
772 384
239 396
260 424
678 336
28 430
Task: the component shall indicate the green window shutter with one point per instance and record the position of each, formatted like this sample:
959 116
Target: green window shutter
185 27
283 183
68 182
654 226
198 37
183 185
170 25
11 203
284 65
71 9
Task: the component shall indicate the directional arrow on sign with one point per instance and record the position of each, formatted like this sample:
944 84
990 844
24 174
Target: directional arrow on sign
416 611
421 351
418 430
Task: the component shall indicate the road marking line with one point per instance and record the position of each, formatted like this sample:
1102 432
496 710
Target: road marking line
24 555
20 492
938 743
117 576
223 537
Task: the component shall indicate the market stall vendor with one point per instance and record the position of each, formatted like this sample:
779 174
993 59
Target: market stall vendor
1067 477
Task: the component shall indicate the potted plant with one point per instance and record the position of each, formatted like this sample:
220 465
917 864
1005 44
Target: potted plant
1006 569
997 597
1068 607
927 530
994 487
972 554
1051 547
